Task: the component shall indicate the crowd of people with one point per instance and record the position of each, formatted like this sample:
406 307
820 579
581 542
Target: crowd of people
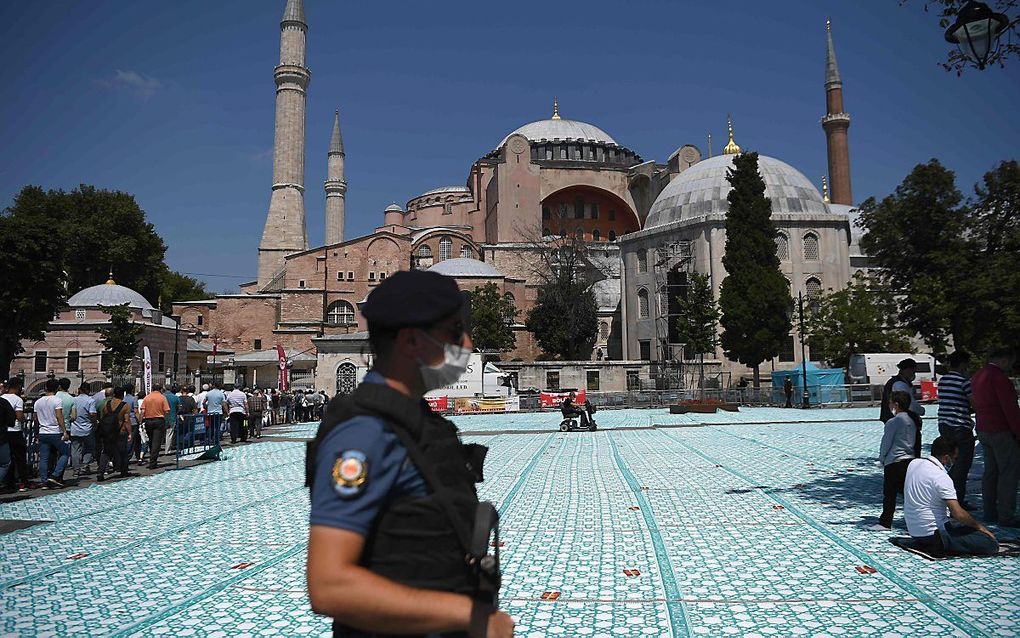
114 427
934 488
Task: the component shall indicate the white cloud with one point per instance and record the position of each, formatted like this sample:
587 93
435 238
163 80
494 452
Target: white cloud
142 86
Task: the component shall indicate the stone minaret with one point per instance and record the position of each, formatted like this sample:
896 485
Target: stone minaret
836 123
285 230
336 187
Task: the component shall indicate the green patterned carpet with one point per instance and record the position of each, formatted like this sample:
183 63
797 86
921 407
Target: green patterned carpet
753 524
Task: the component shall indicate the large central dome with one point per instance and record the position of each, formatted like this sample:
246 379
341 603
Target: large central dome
702 189
557 128
553 129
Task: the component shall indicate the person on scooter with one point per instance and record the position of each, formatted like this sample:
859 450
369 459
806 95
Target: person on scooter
571 410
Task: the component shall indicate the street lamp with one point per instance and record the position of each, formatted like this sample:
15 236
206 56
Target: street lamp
976 31
177 330
806 402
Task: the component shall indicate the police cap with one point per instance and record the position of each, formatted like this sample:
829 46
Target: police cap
411 298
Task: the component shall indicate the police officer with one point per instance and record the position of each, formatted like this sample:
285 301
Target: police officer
399 541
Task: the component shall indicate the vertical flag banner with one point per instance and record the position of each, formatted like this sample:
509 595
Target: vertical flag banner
148 370
282 356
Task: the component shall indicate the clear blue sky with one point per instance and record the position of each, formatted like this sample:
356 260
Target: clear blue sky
174 101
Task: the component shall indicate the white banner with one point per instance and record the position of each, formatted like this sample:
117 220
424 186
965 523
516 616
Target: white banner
148 370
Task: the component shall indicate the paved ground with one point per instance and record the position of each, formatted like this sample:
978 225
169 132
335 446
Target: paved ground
751 524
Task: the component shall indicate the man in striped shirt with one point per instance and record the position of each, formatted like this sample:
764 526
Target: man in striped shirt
955 422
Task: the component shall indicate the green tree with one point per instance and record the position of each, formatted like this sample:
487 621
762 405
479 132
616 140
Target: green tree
699 314
564 318
33 289
917 236
174 287
859 318
492 318
100 231
990 315
121 338
754 297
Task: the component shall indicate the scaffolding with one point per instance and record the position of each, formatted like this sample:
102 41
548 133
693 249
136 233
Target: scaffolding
673 264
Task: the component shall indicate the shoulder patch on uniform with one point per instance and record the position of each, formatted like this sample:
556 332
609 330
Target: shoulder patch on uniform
350 473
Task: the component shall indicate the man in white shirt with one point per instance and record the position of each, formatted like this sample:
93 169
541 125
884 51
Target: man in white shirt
237 404
53 435
929 499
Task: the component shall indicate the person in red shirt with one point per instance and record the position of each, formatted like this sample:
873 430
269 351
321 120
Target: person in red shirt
998 429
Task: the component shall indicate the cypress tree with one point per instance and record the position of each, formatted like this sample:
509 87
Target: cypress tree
755 297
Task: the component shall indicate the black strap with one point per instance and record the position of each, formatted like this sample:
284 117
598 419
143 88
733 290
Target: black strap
480 612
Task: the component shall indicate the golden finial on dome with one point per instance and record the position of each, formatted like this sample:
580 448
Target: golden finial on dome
110 281
556 109
731 147
825 189
710 145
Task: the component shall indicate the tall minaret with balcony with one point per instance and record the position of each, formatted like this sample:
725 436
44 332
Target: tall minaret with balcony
285 231
835 123
336 186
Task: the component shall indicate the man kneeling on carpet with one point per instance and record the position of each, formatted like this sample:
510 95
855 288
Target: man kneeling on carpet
929 500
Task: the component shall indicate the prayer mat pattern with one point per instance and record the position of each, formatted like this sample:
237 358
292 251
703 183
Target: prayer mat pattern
751 523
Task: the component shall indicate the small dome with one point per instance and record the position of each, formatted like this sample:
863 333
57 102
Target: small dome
393 208
465 267
702 189
446 189
108 294
552 129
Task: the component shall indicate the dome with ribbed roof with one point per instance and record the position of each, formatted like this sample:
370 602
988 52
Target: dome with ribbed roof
561 129
465 267
702 189
108 294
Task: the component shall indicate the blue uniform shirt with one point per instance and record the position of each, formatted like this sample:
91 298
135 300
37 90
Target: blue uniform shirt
389 473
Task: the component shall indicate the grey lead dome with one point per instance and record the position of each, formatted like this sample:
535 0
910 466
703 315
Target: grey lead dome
465 267
702 189
552 129
108 295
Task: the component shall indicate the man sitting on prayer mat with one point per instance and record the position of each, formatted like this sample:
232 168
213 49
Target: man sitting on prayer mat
929 500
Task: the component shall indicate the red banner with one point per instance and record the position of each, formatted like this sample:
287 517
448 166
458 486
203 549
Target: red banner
555 399
282 356
929 391
439 404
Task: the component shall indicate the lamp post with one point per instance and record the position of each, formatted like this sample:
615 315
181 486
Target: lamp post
976 32
803 354
177 330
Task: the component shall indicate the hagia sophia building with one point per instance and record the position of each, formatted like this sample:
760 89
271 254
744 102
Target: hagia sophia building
646 225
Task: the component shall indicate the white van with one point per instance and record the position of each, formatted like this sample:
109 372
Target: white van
876 369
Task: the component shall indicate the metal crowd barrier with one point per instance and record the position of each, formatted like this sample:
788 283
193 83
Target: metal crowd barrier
199 434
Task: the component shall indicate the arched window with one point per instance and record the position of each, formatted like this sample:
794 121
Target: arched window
340 313
612 235
578 207
579 233
466 252
642 261
810 246
642 302
783 247
445 248
510 299
604 329
813 287
425 252
346 378
596 235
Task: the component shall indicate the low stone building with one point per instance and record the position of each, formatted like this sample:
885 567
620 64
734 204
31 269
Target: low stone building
71 346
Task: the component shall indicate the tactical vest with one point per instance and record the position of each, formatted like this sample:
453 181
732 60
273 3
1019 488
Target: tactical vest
418 541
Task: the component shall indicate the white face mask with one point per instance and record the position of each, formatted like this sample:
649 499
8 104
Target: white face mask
454 364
